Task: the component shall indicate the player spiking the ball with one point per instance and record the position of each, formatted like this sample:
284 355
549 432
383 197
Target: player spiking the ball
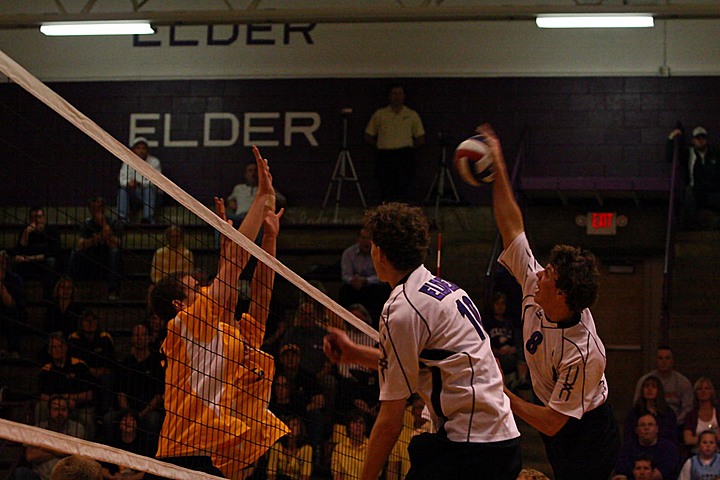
565 356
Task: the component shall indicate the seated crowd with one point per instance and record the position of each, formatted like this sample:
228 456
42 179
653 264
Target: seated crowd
89 390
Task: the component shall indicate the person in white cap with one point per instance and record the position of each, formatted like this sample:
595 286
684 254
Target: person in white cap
134 188
701 163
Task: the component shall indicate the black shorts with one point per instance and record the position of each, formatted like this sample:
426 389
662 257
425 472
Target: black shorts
587 448
433 456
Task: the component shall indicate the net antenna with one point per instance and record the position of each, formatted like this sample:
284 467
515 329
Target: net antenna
342 165
441 175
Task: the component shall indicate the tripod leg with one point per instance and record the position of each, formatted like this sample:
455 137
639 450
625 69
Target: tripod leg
452 185
432 187
339 164
337 198
355 179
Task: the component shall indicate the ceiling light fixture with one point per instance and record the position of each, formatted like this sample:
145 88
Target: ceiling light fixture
98 28
594 21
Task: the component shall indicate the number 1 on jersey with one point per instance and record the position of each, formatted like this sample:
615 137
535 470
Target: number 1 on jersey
467 309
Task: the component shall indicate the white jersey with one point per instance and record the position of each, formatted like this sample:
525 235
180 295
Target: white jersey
433 343
566 359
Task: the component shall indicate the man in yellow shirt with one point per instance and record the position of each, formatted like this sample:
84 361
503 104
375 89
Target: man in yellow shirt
396 131
217 381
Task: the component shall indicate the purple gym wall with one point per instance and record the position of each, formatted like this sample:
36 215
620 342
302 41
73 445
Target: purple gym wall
581 126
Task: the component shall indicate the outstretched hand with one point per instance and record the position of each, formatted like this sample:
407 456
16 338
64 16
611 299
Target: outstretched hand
220 209
265 186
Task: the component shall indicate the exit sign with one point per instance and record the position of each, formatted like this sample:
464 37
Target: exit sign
601 223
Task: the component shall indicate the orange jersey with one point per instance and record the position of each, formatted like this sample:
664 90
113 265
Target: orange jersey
217 388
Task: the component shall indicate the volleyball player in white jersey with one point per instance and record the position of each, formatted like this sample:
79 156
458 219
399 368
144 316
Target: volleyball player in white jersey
431 342
565 356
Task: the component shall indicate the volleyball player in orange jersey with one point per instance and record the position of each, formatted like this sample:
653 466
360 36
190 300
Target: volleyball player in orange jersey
217 381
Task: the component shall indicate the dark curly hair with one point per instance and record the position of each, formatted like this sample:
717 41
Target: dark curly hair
167 290
577 276
401 231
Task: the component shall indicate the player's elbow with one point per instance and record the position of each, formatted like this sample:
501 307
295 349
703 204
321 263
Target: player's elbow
554 422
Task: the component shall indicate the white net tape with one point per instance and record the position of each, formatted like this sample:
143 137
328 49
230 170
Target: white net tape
41 438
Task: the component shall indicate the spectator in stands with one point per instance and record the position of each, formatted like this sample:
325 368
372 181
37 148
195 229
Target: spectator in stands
139 383
291 457
173 257
348 456
307 391
156 331
63 312
652 401
98 245
134 188
37 249
502 334
678 390
704 416
701 163
56 419
360 283
77 467
243 194
358 386
130 439
282 403
97 349
643 469
68 376
664 452
706 464
307 333
13 315
278 327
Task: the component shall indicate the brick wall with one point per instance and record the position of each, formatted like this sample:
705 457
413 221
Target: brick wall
585 126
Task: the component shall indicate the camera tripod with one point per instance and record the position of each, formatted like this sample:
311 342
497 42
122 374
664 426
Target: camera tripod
340 172
442 174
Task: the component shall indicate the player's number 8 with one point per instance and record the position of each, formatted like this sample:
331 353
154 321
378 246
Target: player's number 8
534 342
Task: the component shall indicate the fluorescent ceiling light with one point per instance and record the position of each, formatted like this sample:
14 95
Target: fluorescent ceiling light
98 28
594 21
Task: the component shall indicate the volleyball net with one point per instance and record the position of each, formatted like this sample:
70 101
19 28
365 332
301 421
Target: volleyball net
97 359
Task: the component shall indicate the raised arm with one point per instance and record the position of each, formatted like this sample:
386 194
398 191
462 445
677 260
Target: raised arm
506 210
261 285
233 258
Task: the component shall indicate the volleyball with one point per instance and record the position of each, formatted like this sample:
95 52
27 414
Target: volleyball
473 161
